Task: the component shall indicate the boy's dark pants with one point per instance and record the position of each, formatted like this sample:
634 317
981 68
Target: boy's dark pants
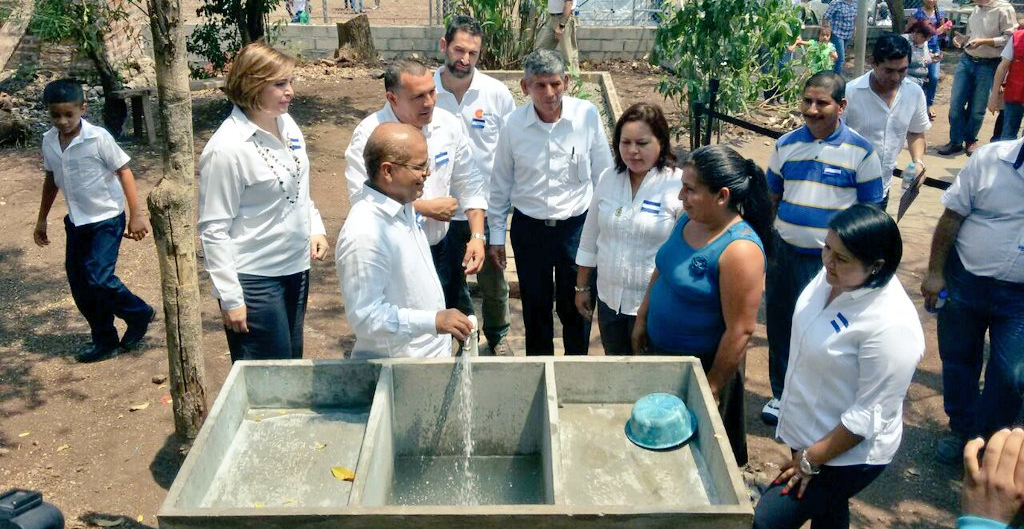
89 261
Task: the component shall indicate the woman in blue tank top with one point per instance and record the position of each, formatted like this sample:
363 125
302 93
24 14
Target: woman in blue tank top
709 277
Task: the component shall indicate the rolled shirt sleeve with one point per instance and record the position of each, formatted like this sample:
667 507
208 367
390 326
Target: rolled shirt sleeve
220 193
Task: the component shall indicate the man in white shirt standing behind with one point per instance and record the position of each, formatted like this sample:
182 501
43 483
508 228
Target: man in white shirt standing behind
482 102
548 159
886 109
393 297
455 189
560 32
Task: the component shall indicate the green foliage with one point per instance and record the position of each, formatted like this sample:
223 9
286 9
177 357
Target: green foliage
510 29
83 22
740 42
576 87
227 26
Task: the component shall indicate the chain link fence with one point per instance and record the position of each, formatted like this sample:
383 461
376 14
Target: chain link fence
589 12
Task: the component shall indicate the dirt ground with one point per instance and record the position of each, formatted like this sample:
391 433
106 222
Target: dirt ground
67 429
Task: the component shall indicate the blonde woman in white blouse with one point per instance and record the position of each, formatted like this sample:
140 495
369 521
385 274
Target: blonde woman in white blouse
258 227
634 209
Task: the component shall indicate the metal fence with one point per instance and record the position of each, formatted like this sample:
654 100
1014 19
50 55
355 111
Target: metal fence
588 12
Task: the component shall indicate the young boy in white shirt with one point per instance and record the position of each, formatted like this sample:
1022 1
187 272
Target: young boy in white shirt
86 164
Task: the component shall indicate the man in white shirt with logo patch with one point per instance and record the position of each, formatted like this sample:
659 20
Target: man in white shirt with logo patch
456 187
482 102
393 297
550 155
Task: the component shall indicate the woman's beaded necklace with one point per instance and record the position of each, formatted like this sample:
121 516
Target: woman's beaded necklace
274 163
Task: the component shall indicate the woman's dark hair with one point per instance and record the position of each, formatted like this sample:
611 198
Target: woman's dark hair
923 27
655 119
870 234
719 166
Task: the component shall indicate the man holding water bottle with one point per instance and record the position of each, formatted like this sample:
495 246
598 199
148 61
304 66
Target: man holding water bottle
977 267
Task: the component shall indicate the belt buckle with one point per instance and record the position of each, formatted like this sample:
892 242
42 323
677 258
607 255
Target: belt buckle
550 223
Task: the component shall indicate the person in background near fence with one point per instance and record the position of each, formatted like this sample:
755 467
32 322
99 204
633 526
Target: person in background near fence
704 294
821 53
393 298
1008 86
550 155
85 163
634 208
988 30
977 258
559 33
482 102
840 18
814 171
921 58
888 109
857 341
930 12
258 227
455 189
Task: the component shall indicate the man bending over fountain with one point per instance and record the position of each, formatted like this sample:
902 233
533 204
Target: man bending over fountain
392 294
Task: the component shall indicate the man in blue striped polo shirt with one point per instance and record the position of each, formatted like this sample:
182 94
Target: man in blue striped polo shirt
815 171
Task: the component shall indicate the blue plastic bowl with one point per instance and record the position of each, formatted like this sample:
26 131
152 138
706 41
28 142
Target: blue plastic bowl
660 421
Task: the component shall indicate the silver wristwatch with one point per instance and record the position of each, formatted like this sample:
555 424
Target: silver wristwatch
480 236
806 467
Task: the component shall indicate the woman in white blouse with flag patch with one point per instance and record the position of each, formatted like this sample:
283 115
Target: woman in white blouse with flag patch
258 227
634 209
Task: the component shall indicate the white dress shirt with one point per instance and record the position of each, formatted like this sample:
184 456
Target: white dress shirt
884 126
989 193
452 171
255 217
483 110
386 273
548 170
622 233
85 173
850 362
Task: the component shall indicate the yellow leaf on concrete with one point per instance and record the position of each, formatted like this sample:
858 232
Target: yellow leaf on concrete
139 519
343 473
62 448
139 407
24 434
319 446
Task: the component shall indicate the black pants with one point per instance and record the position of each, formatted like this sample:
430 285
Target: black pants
89 260
826 502
616 330
275 313
543 251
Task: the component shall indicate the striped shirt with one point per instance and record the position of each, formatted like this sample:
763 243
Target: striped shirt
818 178
841 16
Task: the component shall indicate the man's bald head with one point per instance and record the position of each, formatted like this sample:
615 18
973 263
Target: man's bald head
392 150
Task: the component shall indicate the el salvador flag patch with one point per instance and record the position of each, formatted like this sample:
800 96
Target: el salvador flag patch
650 207
440 158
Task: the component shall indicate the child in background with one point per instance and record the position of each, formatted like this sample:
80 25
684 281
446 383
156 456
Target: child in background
821 54
919 34
85 163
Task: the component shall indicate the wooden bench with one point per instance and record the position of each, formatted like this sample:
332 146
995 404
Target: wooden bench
142 111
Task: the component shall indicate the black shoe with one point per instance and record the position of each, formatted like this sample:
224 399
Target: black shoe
136 332
950 148
95 353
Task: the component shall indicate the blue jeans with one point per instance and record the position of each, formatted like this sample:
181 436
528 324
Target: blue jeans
826 501
493 285
1012 113
789 271
931 84
275 314
543 252
976 305
840 46
971 85
89 260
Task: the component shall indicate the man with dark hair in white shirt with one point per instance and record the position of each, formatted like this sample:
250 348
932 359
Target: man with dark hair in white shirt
393 297
976 269
456 186
481 102
550 155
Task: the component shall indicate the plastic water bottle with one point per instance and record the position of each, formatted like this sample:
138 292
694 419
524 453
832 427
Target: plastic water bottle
909 175
940 302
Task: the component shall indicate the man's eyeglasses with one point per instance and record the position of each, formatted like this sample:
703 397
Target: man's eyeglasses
425 169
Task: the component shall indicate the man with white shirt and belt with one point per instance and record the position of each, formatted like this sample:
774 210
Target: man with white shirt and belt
560 32
887 109
482 102
977 259
456 187
549 156
393 297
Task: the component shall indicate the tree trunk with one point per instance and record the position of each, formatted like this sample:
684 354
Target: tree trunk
254 20
354 36
14 131
896 12
172 212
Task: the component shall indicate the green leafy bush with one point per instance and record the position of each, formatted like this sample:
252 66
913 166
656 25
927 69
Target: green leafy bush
510 29
227 26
